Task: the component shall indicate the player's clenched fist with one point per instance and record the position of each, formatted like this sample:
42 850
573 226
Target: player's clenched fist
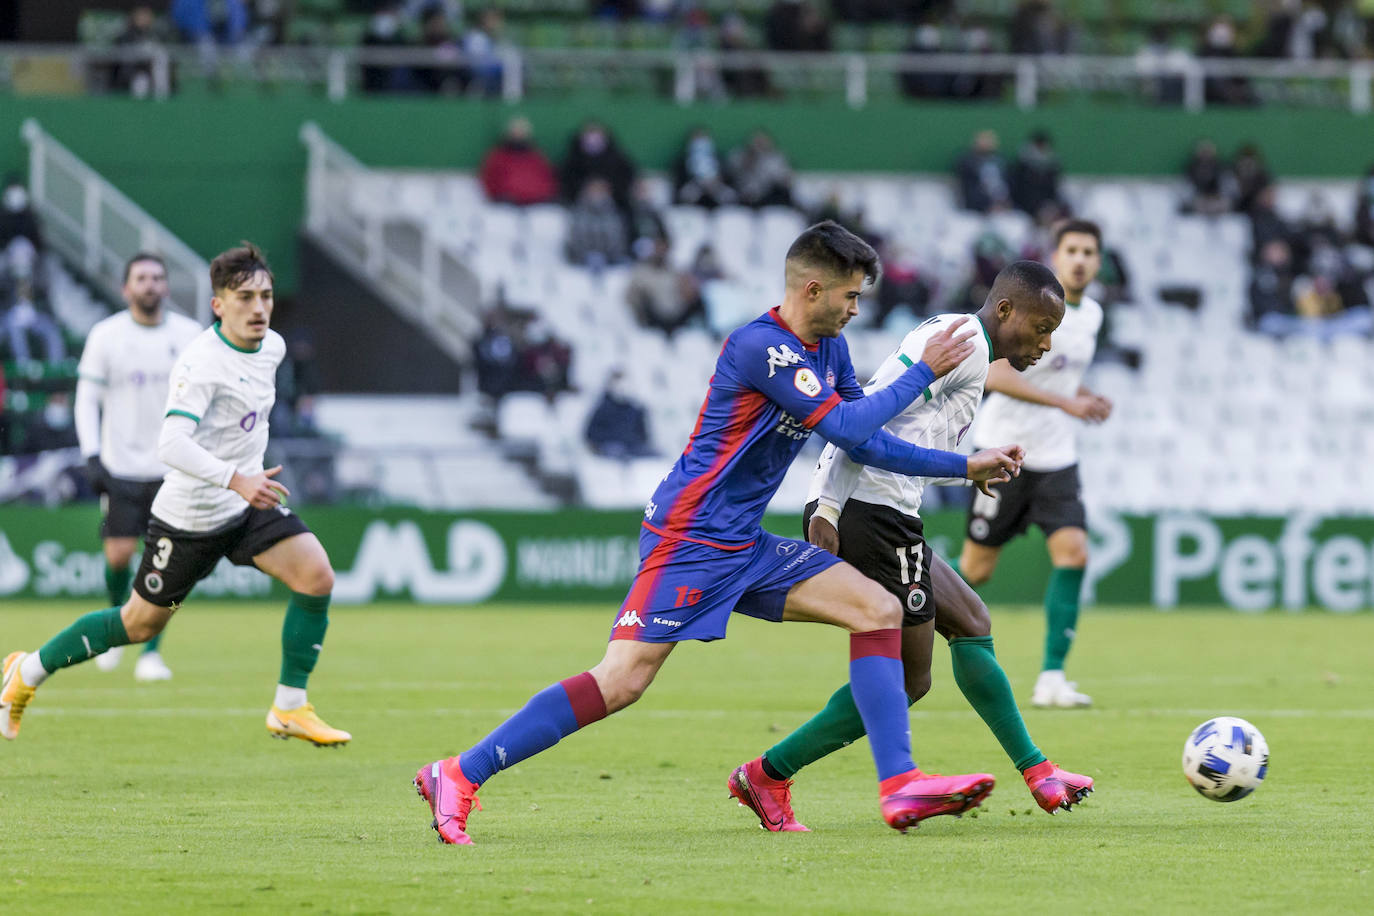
994 465
946 350
260 490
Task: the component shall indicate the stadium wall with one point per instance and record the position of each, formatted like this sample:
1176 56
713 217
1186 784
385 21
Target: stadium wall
217 169
582 555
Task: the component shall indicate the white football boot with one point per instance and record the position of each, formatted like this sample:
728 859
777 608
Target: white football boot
109 659
1053 691
151 667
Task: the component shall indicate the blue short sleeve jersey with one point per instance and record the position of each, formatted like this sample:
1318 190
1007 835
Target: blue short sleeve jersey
768 391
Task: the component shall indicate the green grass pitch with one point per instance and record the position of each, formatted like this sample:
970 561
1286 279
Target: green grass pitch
127 798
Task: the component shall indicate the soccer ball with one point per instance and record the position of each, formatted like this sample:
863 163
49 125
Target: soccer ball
1225 758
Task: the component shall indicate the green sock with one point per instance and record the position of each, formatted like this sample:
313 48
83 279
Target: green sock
117 584
302 635
89 636
1061 615
152 644
988 691
837 725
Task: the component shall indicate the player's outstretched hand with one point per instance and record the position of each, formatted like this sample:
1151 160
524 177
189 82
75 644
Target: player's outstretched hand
946 350
992 466
823 534
1088 407
261 491
1102 408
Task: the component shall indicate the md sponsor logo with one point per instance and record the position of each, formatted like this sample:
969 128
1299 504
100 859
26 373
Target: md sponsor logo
1253 571
394 558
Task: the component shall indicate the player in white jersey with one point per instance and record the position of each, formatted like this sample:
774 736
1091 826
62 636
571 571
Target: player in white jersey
216 501
121 390
1040 408
870 518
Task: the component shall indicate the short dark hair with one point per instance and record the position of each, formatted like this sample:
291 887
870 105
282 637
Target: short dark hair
830 246
143 256
1026 276
231 269
1084 226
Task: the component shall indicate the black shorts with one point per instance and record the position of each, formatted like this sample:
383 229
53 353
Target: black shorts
175 560
1050 499
890 548
126 506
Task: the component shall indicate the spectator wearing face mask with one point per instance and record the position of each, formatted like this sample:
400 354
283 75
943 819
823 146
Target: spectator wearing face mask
593 153
596 228
16 215
1364 210
699 174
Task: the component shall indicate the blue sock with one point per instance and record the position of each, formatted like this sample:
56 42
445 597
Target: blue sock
875 679
550 715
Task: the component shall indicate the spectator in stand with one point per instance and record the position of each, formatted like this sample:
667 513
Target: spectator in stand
1266 224
212 25
740 81
904 286
515 171
1035 175
924 84
1364 210
1250 175
699 174
140 39
1035 29
485 46
593 153
1271 289
28 315
545 360
16 215
618 426
596 228
991 253
497 353
662 297
621 10
452 74
385 30
1219 41
1161 64
761 173
644 223
1207 181
795 25
983 180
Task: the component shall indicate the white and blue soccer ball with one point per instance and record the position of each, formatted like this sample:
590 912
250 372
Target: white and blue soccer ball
1225 758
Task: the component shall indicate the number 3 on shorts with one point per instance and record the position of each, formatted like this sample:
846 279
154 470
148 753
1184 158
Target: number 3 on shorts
163 554
916 551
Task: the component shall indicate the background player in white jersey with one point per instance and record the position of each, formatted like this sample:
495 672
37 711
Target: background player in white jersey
216 501
870 518
121 390
1040 409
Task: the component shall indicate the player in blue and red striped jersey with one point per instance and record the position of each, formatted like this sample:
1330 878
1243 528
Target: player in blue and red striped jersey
703 554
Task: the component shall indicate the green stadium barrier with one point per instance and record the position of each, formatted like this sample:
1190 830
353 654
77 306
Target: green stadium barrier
171 157
1248 564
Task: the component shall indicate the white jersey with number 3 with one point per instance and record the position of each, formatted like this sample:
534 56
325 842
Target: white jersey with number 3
937 419
1048 434
228 392
129 364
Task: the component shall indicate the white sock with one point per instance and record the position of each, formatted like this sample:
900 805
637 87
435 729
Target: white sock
288 698
32 671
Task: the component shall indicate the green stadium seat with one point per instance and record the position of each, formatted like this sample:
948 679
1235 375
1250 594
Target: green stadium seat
99 27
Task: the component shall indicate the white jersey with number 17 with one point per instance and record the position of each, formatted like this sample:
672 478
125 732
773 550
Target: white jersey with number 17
937 419
228 392
1048 434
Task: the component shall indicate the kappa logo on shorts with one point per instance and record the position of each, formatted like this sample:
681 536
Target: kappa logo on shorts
915 599
787 548
978 528
780 358
629 619
152 582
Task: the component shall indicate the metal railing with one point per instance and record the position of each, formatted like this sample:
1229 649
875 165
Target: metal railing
691 75
402 259
97 228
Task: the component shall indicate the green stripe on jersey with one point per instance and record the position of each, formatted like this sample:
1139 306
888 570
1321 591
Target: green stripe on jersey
183 413
906 361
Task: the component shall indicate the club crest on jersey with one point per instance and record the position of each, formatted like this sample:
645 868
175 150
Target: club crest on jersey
1059 362
249 420
830 377
152 582
806 382
780 358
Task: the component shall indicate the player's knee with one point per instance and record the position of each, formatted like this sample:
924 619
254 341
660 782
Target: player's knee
318 581
975 574
625 689
881 609
971 621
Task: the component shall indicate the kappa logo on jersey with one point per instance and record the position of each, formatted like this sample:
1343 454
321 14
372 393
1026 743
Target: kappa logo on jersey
780 358
629 619
806 382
